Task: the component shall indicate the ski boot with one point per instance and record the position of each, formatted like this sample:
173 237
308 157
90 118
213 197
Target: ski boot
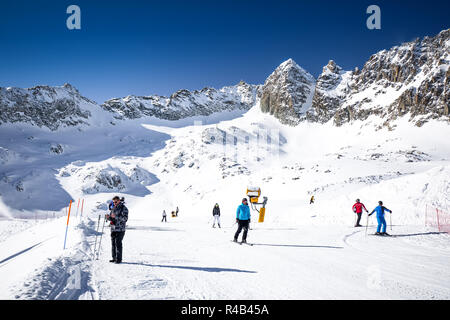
385 234
378 233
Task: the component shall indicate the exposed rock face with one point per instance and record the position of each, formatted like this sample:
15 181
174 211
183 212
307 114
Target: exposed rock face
287 93
184 103
44 106
331 89
409 79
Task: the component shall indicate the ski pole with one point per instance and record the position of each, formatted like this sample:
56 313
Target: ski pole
367 224
100 241
390 218
96 232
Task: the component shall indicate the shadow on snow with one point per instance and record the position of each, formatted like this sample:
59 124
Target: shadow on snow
295 246
207 269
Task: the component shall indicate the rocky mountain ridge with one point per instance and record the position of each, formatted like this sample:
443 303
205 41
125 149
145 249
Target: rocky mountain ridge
409 79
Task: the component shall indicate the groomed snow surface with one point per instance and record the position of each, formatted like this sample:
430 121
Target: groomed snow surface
301 251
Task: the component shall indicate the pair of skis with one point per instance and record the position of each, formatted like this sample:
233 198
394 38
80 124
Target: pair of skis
241 243
390 222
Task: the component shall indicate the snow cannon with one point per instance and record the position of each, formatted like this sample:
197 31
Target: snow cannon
253 194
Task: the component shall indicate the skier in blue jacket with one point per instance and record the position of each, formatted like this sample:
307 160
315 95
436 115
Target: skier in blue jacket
380 217
243 220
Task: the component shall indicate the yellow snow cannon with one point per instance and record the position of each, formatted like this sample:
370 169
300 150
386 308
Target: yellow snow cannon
253 194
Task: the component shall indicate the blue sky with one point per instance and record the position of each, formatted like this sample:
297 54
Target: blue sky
158 47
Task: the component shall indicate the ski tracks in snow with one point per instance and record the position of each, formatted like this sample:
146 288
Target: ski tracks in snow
403 267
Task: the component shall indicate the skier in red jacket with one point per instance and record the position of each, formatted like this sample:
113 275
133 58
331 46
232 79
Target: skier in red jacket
357 208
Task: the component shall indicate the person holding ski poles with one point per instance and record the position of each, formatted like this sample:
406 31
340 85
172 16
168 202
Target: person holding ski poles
357 208
216 215
380 217
164 215
118 218
243 220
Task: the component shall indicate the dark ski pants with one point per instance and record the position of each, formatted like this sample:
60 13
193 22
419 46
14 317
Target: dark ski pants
164 219
242 224
359 218
116 241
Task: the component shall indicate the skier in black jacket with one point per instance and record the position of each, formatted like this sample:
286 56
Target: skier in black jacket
118 218
216 215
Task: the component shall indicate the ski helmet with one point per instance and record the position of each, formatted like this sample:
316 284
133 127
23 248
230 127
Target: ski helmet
380 203
244 200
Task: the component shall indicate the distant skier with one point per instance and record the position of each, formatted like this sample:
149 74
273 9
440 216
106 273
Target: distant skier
216 215
110 204
311 201
358 208
118 218
243 220
380 217
176 212
164 215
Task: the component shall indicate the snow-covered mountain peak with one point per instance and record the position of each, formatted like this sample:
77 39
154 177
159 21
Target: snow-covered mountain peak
409 79
287 92
46 106
185 103
331 67
330 91
290 69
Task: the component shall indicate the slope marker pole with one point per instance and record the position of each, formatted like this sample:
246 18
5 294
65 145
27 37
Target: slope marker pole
67 226
82 206
78 205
